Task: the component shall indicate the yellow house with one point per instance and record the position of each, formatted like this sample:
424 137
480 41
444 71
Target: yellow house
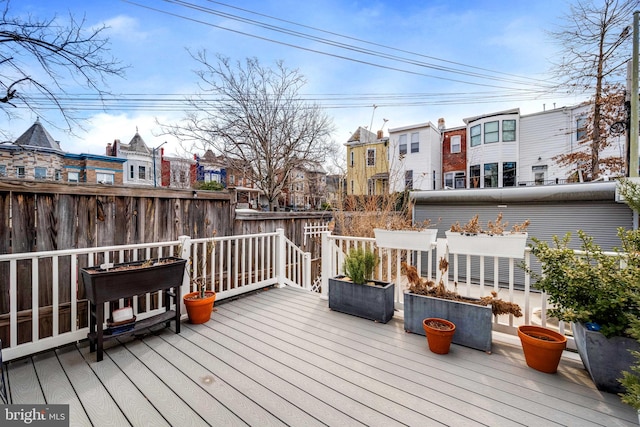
367 163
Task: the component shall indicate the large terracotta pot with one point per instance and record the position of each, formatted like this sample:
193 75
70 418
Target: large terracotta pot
542 347
439 334
199 309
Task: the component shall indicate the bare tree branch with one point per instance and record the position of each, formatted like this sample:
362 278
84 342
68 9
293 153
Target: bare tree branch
258 123
40 57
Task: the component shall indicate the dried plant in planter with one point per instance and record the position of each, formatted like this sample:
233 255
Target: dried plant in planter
421 286
493 227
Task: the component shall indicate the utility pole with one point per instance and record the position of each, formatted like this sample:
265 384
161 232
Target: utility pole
633 125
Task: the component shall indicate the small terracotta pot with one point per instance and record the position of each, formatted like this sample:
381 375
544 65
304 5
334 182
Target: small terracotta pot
199 309
542 347
439 338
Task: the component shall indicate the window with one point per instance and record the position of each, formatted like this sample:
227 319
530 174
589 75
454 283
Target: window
476 138
73 177
232 180
581 128
352 160
58 175
491 133
490 175
415 142
509 174
403 144
142 172
40 173
474 176
539 174
20 172
371 157
131 172
104 178
408 180
3 170
508 130
371 187
454 180
351 186
455 144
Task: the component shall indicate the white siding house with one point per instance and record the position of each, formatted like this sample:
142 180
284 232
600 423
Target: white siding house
415 158
492 149
547 134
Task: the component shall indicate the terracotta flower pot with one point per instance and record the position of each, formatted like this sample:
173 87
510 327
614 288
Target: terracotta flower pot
199 309
439 334
542 347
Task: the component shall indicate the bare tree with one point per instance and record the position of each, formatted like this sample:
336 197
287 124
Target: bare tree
254 116
39 57
594 53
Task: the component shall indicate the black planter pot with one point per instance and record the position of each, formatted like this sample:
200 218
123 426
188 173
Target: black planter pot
114 283
370 301
604 358
473 322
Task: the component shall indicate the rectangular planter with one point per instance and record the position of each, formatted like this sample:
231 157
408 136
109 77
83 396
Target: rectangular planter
373 302
414 240
473 322
109 285
506 245
604 358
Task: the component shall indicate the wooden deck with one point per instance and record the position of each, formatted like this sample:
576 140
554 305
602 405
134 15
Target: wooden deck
281 357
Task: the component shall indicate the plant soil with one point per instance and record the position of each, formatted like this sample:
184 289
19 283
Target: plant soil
197 297
438 325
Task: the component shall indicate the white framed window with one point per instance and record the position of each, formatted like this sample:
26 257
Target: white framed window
581 128
371 156
132 174
40 172
73 177
58 175
142 172
491 132
3 170
402 146
508 130
105 178
454 180
20 172
509 174
490 175
476 136
455 144
415 142
539 174
408 180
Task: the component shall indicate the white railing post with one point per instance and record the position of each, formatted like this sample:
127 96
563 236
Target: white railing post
441 252
281 257
327 264
185 253
306 271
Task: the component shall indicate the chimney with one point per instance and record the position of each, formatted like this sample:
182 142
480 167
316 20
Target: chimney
109 150
441 126
380 134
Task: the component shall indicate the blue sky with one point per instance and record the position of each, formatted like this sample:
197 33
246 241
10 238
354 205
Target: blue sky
506 41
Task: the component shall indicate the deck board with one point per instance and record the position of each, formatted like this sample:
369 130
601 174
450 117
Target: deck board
281 357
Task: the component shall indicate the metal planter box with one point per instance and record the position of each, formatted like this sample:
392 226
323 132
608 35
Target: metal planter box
605 358
473 322
373 302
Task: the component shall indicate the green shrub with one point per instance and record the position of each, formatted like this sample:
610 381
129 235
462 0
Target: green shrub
359 265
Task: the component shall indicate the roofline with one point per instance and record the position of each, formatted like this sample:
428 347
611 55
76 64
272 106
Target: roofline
419 125
87 156
548 193
497 113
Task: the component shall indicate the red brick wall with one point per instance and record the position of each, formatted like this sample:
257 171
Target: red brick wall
456 161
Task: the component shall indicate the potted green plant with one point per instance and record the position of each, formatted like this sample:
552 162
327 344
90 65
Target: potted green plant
357 294
595 291
496 240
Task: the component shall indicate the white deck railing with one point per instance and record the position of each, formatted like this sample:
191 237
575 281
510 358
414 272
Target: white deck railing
232 265
532 303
